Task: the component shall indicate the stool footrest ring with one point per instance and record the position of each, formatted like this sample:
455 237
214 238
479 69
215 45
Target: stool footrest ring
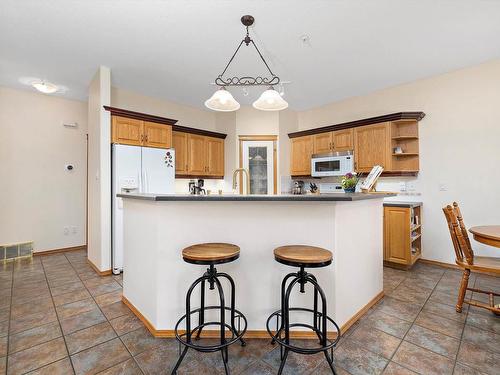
236 334
277 337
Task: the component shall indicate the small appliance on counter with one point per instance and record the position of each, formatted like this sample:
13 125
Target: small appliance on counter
329 188
332 164
298 188
195 189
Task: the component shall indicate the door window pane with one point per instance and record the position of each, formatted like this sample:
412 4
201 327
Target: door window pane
257 165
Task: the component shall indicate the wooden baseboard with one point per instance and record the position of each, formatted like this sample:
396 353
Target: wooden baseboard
62 250
441 264
453 266
361 312
252 334
101 273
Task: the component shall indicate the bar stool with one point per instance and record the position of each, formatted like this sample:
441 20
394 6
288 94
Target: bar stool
302 256
211 254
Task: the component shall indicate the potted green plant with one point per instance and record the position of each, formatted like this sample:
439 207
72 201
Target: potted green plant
349 182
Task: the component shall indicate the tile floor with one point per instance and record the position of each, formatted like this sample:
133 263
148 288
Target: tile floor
58 317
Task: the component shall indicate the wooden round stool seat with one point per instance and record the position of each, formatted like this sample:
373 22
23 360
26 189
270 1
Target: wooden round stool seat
211 253
303 256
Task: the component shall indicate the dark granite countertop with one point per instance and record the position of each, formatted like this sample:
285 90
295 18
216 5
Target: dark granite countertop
342 197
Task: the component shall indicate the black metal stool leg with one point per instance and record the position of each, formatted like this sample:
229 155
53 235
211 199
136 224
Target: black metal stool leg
330 362
201 316
233 301
283 360
324 332
179 361
283 289
224 351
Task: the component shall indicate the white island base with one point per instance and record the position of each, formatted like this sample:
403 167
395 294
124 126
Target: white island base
156 279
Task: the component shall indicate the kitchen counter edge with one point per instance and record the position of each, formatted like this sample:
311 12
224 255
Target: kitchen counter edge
340 197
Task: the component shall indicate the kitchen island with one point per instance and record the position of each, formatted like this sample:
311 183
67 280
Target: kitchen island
158 227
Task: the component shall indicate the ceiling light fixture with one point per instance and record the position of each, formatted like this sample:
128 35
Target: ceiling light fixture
45 87
270 100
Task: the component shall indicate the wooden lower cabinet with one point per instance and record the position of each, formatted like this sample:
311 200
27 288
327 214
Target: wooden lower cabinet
402 234
301 151
180 144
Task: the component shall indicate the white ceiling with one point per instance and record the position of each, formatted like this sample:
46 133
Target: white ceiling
174 49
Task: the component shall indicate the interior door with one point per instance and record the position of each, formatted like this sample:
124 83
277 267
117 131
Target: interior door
258 160
158 170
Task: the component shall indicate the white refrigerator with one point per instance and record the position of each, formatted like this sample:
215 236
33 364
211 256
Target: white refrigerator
137 170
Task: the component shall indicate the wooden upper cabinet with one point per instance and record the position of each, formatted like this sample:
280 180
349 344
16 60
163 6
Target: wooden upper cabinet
215 156
343 140
301 150
127 131
322 143
196 154
157 135
180 145
372 146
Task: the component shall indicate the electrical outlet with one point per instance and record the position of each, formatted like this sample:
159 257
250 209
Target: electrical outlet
443 187
74 230
402 186
66 231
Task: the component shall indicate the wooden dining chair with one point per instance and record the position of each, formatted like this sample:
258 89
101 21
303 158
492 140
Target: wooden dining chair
469 262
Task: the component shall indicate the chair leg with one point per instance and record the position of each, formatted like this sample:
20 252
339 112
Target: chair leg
463 289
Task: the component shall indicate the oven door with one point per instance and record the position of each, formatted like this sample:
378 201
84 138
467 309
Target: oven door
327 166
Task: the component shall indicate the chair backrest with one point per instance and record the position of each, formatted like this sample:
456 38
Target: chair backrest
458 233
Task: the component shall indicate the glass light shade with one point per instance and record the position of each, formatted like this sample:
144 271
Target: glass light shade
45 87
270 100
222 101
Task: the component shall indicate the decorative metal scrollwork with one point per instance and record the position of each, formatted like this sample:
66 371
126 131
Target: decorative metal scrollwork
247 80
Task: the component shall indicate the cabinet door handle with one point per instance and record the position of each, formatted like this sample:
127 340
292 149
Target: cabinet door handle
146 137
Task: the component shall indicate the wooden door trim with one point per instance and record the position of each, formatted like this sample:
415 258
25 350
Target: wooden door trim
274 139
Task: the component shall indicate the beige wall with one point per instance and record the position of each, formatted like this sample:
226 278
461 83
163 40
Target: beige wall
186 115
99 165
459 145
39 198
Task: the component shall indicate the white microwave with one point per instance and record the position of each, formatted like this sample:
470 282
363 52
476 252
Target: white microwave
333 164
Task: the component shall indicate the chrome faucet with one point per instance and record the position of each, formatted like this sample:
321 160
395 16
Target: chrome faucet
245 172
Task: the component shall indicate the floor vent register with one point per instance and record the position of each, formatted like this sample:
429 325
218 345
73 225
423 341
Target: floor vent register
15 251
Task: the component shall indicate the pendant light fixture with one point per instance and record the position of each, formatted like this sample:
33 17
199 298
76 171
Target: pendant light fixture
270 100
